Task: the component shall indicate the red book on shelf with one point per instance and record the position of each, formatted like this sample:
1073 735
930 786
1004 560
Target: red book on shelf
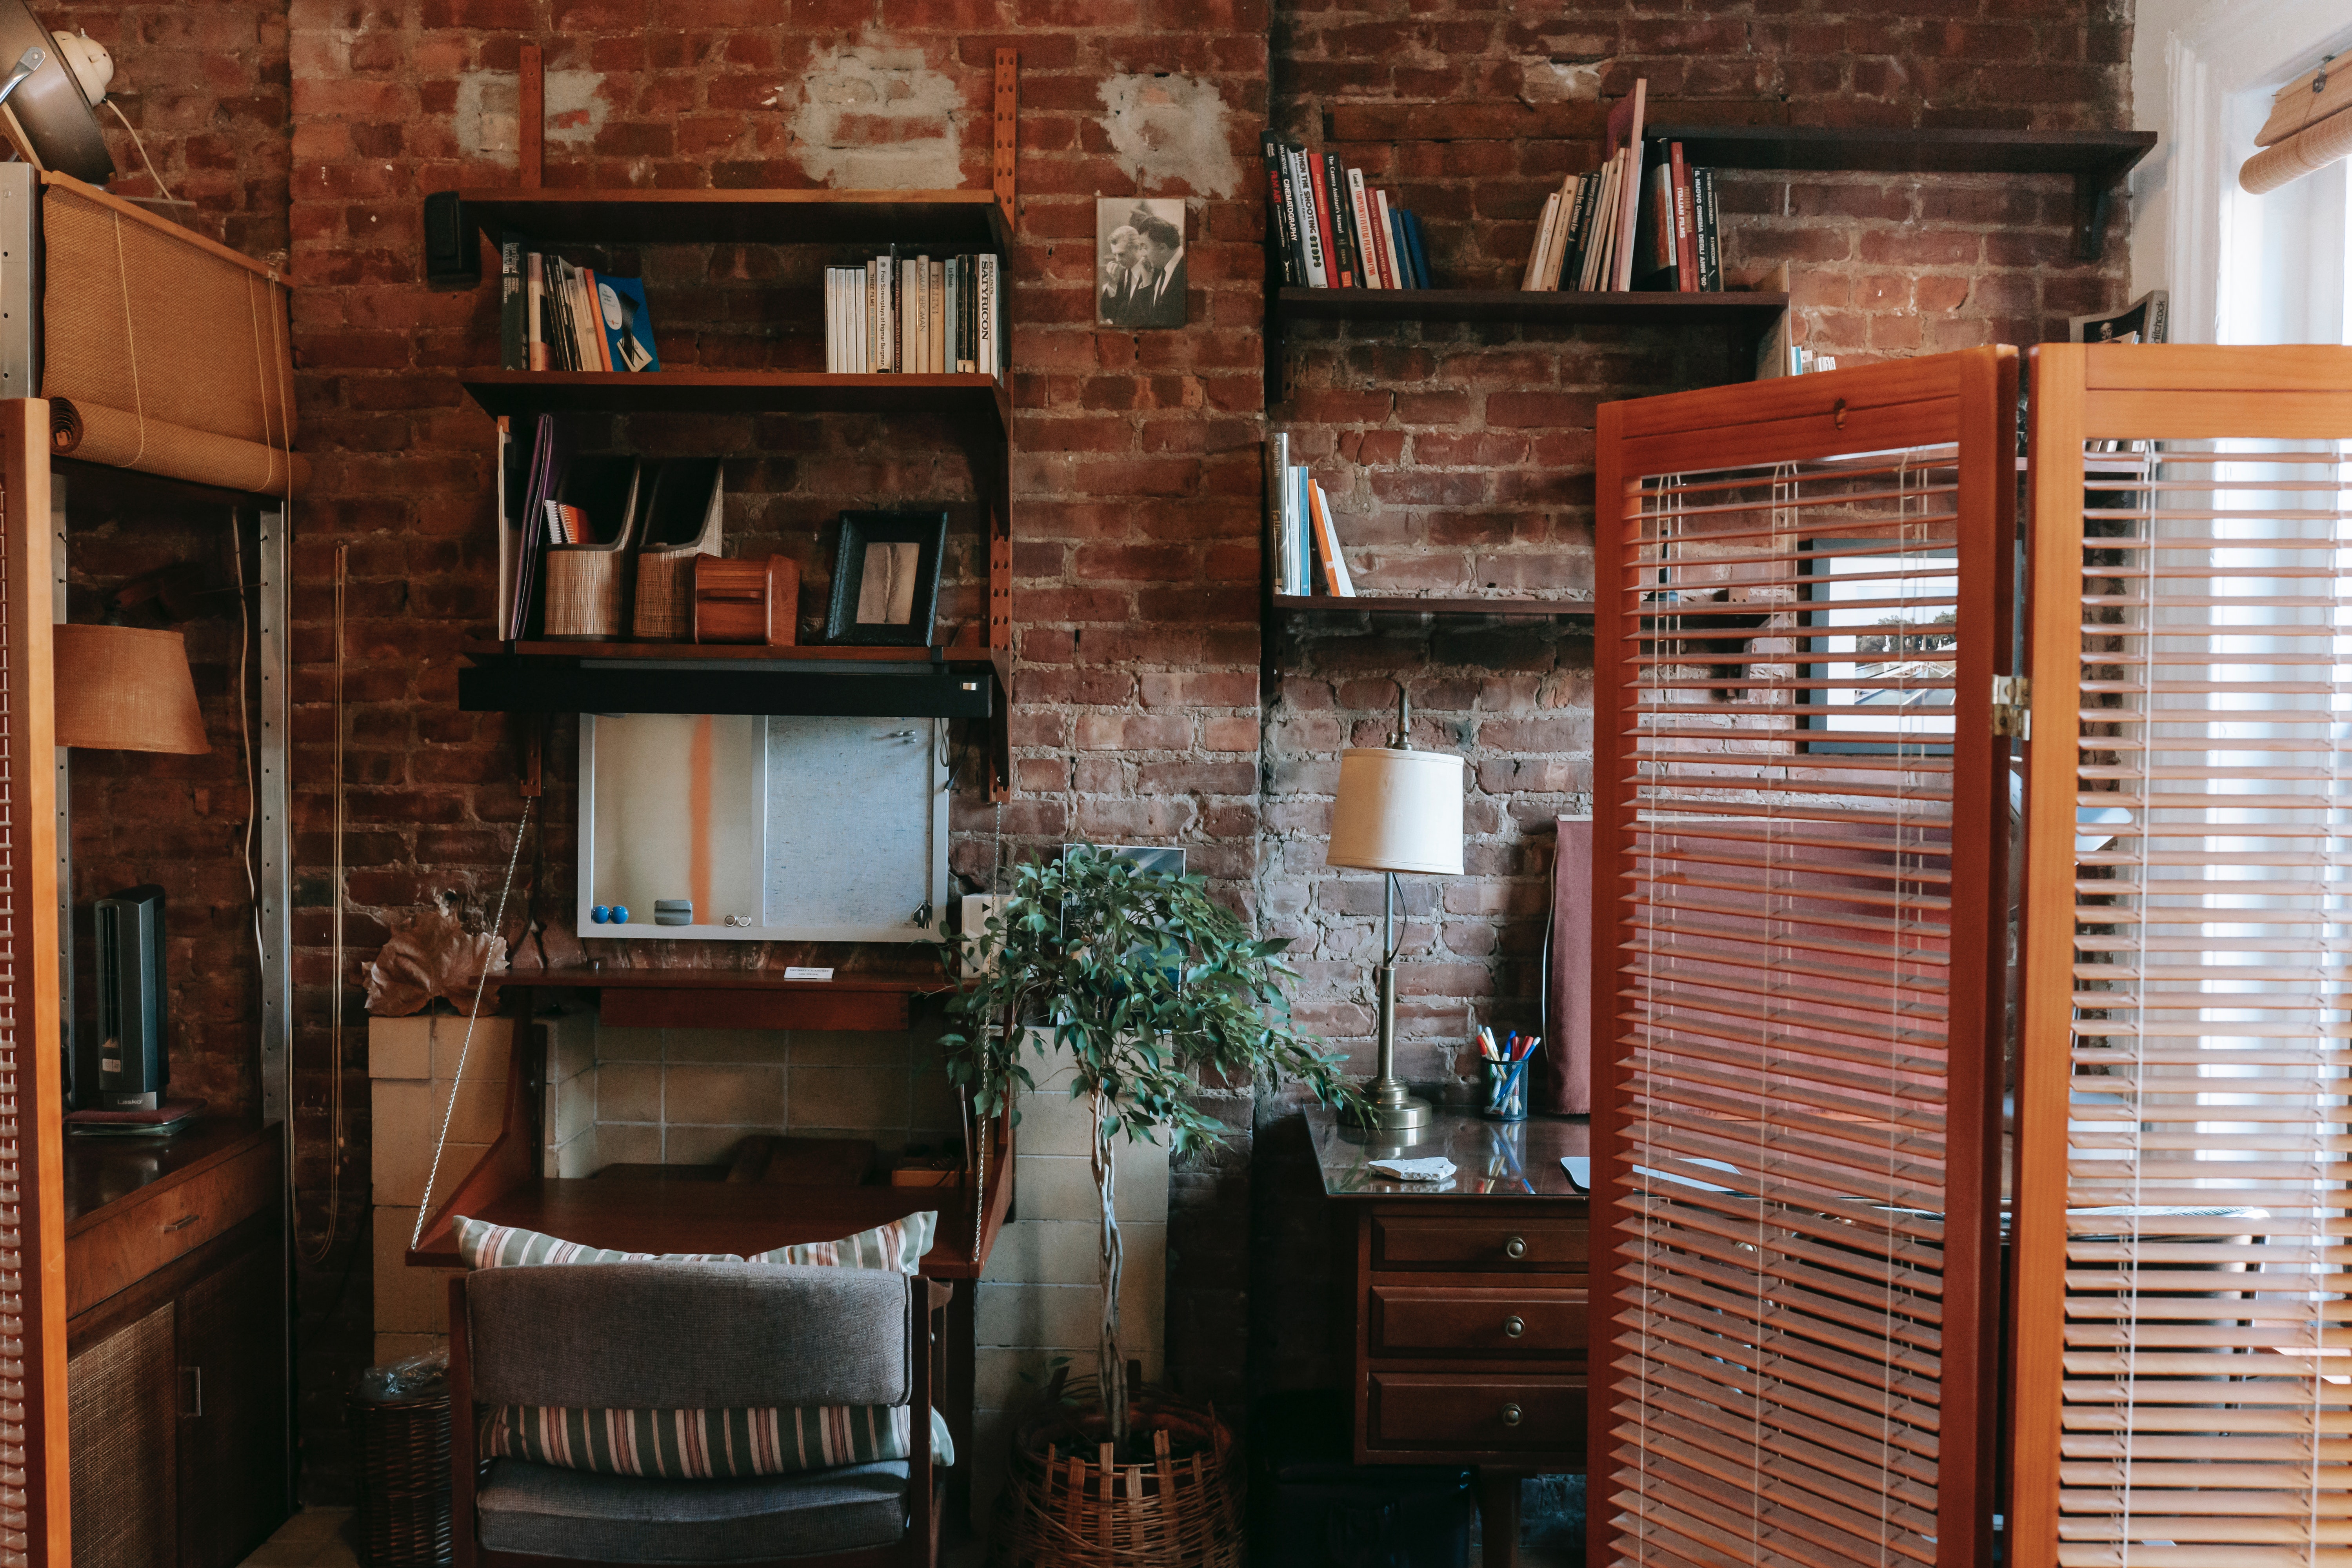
1340 277
1686 230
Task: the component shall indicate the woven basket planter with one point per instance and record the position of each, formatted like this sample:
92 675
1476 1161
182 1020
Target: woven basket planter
1084 1509
403 1492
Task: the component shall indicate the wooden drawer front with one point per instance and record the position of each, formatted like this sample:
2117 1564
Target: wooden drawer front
1501 1245
177 1220
1421 1319
1476 1411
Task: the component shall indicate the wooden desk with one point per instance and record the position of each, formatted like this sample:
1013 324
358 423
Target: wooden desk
1467 1303
175 1381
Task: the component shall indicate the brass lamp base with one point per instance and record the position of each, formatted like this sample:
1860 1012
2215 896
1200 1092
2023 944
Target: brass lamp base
1390 1107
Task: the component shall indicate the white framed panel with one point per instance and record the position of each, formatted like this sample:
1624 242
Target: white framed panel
778 828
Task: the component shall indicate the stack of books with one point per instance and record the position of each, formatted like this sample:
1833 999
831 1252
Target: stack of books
1644 220
1330 230
915 315
1297 512
553 315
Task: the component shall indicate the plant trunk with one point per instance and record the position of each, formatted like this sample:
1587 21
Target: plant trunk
1110 1372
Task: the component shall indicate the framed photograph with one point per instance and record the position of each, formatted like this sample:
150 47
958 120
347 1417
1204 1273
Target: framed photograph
886 578
1138 262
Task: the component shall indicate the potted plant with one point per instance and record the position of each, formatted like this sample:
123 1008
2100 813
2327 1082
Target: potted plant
1149 986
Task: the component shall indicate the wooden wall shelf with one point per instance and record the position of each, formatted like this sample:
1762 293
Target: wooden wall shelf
593 678
2097 160
967 219
1750 314
524 392
961 656
1403 605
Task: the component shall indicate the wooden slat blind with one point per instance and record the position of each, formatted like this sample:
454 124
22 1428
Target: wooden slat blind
35 1514
1802 594
2184 1340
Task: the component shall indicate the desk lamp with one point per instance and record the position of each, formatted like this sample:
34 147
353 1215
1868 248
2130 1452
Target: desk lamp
1398 810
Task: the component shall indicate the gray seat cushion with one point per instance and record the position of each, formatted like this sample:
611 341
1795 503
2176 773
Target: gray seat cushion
623 1519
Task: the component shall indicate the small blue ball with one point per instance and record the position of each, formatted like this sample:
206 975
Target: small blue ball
600 915
620 914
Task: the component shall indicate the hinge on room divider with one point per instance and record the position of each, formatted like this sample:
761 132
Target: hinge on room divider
2012 711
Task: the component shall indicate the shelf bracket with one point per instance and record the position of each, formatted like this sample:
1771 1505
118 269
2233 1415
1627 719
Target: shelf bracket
1008 112
2093 190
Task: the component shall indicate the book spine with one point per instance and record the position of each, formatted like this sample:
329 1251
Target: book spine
1710 252
1377 201
1310 233
1580 233
1400 249
1659 231
1687 267
534 310
1533 270
1325 545
1633 186
1359 214
1330 193
939 271
1420 251
1281 234
1277 476
513 349
558 330
989 318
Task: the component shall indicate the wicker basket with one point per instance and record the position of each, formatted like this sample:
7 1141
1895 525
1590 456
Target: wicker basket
404 1504
1078 1512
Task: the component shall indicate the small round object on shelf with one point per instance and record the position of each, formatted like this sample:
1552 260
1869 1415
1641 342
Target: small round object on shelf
620 914
1513 1414
601 913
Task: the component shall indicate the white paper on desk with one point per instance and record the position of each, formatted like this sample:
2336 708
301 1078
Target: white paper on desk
1435 1168
1579 1171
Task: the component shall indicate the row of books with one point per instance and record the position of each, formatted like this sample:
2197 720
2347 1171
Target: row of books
1305 536
1645 219
553 315
918 315
1330 230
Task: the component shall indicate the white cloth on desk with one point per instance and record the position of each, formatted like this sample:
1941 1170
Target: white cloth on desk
1434 1168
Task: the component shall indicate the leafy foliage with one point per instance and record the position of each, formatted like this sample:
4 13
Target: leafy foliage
1148 984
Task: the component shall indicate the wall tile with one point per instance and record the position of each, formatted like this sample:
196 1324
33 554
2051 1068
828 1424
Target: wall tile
628 1091
730 1096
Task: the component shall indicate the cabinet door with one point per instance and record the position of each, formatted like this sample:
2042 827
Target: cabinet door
120 1409
232 1391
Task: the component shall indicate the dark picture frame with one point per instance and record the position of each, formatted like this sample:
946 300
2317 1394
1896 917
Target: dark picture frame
885 579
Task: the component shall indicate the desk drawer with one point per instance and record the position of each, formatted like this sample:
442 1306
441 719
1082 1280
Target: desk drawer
1422 1319
146 1235
1499 1246
1476 1411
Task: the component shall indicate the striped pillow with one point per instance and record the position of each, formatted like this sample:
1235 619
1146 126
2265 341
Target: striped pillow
898 1245
699 1445
707 1444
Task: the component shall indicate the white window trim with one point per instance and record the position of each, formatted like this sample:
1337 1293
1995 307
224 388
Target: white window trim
2189 58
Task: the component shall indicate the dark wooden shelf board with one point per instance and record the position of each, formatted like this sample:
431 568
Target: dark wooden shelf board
968 219
1749 313
2096 160
1397 604
961 657
777 682
683 977
516 392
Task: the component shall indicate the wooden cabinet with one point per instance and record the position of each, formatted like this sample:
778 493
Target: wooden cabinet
1468 1303
176 1368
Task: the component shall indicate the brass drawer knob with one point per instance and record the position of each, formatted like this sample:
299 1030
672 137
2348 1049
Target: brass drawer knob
1511 1414
1516 1248
1515 1327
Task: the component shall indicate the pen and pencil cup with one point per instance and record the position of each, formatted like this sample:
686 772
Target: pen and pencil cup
1503 1091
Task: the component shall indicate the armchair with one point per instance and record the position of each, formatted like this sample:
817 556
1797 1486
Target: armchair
691 1337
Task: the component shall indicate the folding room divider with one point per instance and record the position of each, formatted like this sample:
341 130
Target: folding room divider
1802 604
2184 1136
1801 918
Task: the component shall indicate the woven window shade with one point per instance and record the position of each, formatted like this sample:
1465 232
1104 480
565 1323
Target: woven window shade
2184 1342
1800 605
167 353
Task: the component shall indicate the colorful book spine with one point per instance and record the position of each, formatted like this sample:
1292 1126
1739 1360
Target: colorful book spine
1281 220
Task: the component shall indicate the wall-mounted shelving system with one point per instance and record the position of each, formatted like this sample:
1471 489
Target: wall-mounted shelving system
972 679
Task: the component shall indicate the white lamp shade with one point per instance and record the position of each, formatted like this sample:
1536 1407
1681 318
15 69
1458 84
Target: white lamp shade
1398 811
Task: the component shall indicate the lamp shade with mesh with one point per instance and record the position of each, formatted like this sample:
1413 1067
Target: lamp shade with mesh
1398 811
126 688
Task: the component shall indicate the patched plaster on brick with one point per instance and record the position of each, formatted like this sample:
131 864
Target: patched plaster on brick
876 118
489 109
1172 131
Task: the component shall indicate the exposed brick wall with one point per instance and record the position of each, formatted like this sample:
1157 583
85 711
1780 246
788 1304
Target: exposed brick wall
1458 455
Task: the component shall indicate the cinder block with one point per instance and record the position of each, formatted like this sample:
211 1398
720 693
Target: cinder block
407 1300
400 1047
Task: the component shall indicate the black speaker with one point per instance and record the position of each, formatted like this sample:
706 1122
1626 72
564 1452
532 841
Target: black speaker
453 257
134 1062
